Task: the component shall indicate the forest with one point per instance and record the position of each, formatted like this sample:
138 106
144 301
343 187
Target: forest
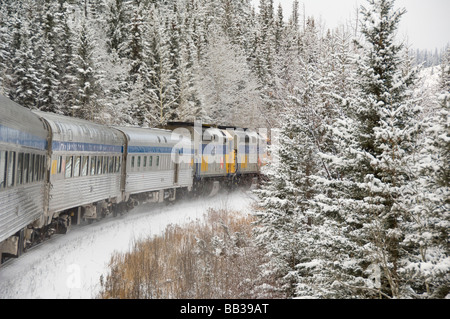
357 199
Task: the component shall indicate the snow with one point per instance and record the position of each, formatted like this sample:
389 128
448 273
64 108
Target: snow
70 266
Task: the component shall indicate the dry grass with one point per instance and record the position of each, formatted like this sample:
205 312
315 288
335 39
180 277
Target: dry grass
212 259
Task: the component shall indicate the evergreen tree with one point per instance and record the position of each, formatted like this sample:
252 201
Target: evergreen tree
375 137
117 32
427 198
86 104
5 47
48 70
65 55
23 78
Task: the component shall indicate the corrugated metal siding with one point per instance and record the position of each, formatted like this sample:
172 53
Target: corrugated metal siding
139 182
21 206
185 178
74 192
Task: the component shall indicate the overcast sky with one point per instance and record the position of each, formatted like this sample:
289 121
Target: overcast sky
426 23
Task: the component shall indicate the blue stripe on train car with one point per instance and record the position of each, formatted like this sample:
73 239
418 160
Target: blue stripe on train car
158 150
14 136
149 149
86 147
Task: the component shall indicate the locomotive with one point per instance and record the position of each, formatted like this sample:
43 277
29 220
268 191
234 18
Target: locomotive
56 171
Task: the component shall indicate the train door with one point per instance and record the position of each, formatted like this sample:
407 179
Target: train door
176 169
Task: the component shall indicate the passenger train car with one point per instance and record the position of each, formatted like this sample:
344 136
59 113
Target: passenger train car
222 155
157 163
23 155
56 170
84 169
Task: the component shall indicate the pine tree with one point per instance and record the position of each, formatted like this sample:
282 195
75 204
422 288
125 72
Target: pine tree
283 222
375 136
5 47
48 70
117 33
66 58
427 198
23 80
87 97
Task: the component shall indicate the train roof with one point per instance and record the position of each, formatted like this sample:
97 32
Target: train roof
70 129
18 125
138 136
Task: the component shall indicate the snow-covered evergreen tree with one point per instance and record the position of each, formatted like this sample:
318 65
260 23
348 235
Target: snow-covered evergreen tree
117 32
23 76
48 70
87 98
375 137
426 225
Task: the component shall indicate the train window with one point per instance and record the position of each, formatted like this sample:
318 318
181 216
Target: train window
145 161
157 160
19 169
117 164
32 167
2 169
42 169
36 168
105 164
99 165
111 164
59 165
26 165
150 161
38 164
11 168
43 163
77 166
93 161
132 162
69 162
139 161
84 166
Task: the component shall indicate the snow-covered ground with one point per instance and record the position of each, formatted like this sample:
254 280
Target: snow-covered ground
70 266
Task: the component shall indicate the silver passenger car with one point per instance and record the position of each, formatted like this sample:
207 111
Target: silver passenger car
23 143
85 166
157 162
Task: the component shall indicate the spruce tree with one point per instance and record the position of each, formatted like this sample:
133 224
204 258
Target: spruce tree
117 32
23 80
66 60
48 43
5 47
87 78
374 137
425 268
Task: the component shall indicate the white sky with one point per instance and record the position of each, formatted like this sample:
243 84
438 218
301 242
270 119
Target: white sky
426 23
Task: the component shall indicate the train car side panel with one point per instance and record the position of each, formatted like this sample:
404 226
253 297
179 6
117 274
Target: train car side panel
23 142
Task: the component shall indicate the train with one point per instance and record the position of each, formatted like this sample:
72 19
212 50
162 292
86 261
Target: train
57 171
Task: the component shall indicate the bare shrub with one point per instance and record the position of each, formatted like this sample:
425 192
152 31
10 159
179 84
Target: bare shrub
211 259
